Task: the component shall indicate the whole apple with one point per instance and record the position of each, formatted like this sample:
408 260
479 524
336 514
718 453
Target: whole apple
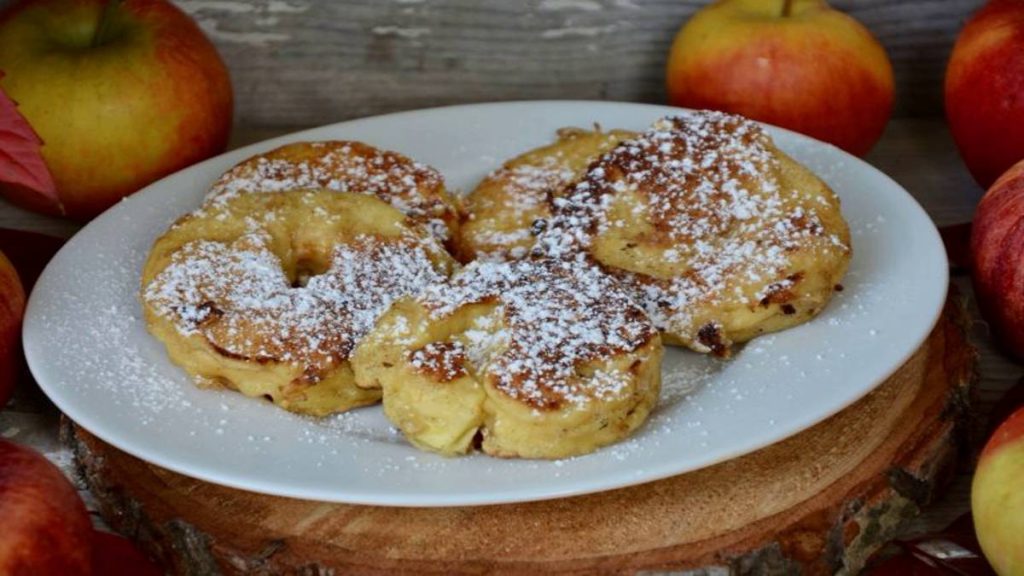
997 259
798 64
984 84
46 528
997 497
122 92
12 308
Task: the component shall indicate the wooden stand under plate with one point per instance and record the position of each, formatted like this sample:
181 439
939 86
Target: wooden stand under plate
817 503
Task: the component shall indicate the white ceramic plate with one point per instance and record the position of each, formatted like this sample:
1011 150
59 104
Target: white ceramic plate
88 347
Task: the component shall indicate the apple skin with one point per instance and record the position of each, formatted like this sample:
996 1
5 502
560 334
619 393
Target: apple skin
997 255
46 528
151 98
983 88
12 309
816 71
997 497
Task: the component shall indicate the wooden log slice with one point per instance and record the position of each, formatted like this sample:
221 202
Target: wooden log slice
817 503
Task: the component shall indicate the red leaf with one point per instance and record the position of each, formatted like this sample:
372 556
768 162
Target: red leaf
21 163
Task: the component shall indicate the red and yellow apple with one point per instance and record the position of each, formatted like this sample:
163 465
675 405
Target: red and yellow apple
121 93
12 308
798 64
997 259
45 527
985 90
997 497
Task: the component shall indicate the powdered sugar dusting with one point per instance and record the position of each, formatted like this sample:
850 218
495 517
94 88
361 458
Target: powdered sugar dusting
238 297
414 188
710 193
519 194
558 316
127 376
529 184
507 203
446 361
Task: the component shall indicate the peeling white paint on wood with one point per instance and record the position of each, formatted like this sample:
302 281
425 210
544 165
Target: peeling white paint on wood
257 39
583 5
229 6
233 21
585 31
400 32
241 6
286 7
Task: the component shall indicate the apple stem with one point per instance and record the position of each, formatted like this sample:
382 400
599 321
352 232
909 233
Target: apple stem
787 8
103 25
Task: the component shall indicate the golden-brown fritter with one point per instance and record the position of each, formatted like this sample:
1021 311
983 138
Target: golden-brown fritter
536 358
498 215
269 294
721 235
416 189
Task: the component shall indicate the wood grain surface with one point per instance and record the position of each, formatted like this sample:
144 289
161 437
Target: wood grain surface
299 62
817 503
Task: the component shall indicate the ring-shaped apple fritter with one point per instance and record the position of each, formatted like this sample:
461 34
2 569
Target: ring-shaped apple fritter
417 190
530 358
721 235
269 294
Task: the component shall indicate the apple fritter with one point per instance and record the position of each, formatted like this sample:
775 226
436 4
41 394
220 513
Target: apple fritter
721 235
269 294
532 358
498 215
415 189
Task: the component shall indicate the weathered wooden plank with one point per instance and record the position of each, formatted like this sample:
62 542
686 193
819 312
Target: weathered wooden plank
300 62
920 155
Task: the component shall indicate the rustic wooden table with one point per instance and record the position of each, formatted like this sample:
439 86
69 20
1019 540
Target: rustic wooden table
918 153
